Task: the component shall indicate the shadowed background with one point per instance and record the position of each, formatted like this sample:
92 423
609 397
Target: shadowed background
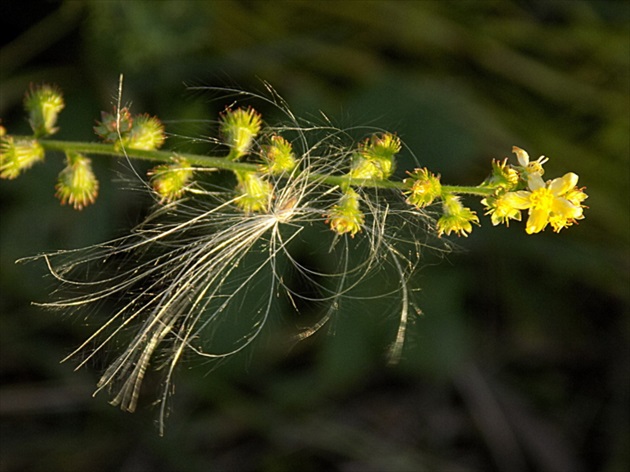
520 361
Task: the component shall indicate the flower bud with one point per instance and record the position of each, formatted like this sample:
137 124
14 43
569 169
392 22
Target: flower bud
43 104
375 157
170 180
346 217
114 126
457 218
77 183
279 156
147 133
17 156
239 128
503 176
423 187
255 192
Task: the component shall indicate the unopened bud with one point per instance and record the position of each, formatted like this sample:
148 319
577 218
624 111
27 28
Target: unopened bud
43 104
239 128
17 156
77 184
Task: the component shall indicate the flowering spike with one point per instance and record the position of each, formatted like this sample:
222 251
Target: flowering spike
239 128
346 217
77 183
457 218
255 192
43 104
17 156
170 180
423 187
278 156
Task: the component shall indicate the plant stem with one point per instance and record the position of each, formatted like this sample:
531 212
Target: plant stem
159 156
226 164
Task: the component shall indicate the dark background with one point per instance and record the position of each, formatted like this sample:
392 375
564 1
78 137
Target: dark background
521 360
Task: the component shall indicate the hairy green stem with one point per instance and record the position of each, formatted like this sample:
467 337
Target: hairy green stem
226 164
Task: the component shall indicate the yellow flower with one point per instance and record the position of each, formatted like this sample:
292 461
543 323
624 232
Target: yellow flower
557 202
501 210
529 168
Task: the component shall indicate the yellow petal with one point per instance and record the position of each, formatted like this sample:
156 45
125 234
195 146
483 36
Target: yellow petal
562 185
519 200
538 219
563 207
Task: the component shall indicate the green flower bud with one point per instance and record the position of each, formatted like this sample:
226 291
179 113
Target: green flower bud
278 156
113 126
77 184
239 128
423 187
170 180
255 192
346 217
43 104
147 133
503 176
375 157
17 156
457 218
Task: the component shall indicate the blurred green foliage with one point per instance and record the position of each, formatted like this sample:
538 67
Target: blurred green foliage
521 358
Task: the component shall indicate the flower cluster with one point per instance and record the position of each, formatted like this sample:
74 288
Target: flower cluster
556 202
278 156
42 104
77 184
424 187
509 190
457 218
506 193
141 132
